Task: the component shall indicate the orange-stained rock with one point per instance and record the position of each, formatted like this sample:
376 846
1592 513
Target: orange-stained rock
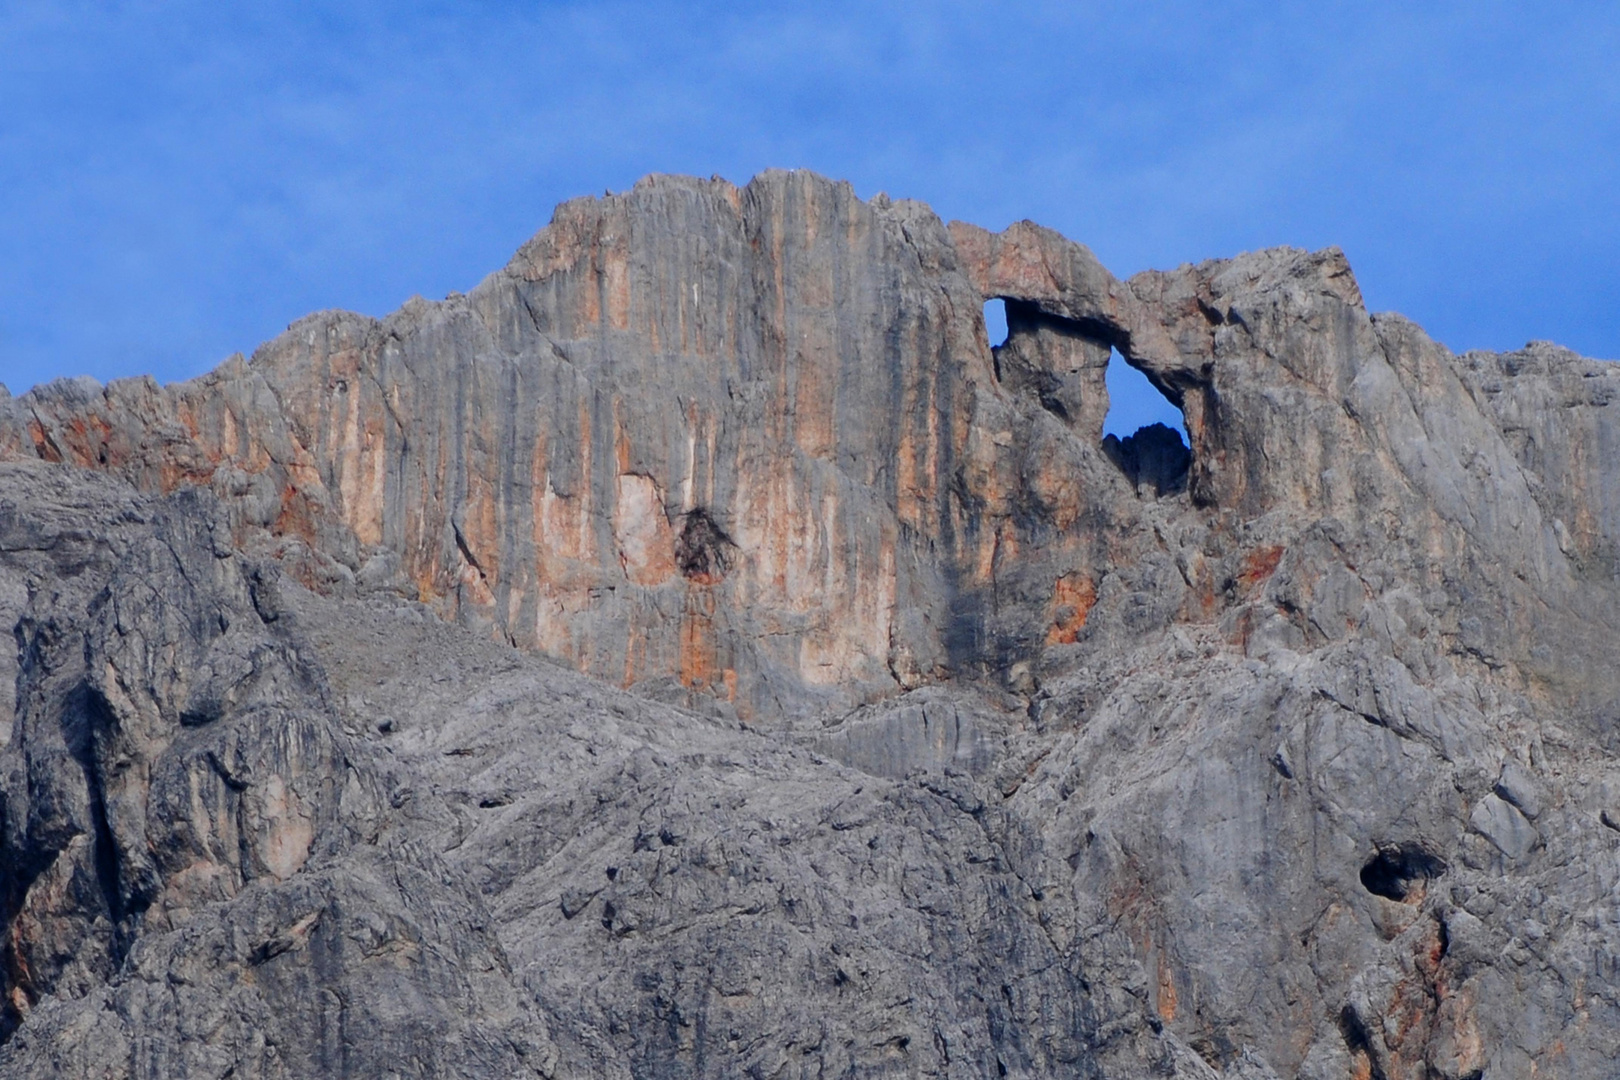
782 396
1072 599
1219 721
1259 565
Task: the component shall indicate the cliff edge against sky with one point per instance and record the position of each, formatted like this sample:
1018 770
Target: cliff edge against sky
914 727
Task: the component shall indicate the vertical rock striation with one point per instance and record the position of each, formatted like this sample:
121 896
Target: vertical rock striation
1288 752
746 442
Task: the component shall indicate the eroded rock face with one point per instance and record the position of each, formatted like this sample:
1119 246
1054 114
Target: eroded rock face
751 440
198 880
1288 753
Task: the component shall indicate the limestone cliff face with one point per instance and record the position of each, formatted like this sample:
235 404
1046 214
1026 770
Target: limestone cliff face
747 441
750 445
1288 753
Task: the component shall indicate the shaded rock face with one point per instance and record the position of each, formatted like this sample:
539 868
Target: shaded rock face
197 879
1154 458
958 740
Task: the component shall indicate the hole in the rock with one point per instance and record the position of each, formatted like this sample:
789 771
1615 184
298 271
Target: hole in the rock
995 322
1135 403
1144 434
1400 871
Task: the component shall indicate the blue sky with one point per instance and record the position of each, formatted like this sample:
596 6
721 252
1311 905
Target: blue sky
178 181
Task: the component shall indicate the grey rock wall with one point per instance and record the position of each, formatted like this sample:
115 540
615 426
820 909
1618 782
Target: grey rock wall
914 728
197 881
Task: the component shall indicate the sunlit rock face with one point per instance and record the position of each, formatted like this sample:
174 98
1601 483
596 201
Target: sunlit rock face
749 446
799 376
1287 752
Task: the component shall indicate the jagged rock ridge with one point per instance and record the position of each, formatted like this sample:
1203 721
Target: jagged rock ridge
1289 756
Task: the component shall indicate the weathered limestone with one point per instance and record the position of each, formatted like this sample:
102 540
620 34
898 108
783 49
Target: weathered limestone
195 878
804 373
1290 753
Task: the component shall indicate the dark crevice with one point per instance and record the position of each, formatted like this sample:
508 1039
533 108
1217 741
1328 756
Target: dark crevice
24 863
703 551
97 718
466 552
88 727
1358 1040
231 781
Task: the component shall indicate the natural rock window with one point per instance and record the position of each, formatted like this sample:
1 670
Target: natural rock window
1144 434
1135 403
995 322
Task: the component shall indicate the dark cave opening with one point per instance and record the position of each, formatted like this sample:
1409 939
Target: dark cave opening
1400 871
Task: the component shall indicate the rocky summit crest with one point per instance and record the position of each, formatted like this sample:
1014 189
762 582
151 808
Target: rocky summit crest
904 725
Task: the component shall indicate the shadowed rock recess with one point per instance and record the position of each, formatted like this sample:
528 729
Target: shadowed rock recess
696 652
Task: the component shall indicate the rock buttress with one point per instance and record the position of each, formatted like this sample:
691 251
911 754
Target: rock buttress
804 372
